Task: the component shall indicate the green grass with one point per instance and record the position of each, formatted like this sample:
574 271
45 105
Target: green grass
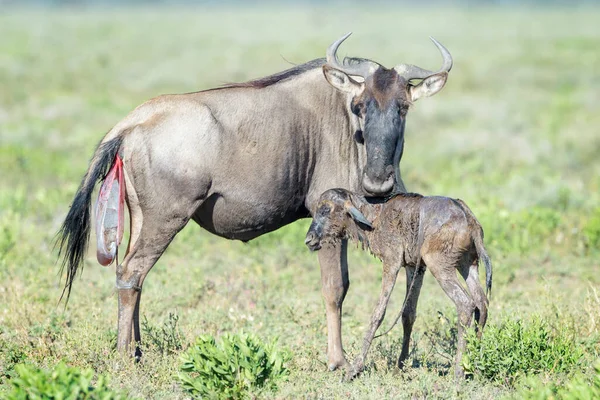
514 134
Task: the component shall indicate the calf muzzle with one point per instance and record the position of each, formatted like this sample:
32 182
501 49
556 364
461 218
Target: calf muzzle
314 235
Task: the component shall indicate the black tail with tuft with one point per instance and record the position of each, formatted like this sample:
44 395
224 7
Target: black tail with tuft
74 234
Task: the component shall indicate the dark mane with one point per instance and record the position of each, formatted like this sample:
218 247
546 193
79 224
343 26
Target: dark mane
277 77
405 195
385 199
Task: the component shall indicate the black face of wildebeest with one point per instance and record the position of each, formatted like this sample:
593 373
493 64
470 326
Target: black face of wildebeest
383 106
381 102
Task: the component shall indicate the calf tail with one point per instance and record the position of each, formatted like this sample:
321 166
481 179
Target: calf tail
483 256
74 234
477 237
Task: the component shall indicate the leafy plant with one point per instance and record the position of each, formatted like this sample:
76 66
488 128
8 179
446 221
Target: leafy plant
166 339
516 348
233 366
63 382
578 388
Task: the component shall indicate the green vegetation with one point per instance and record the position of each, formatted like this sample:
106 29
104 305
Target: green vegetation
62 382
514 134
516 348
232 367
166 339
578 388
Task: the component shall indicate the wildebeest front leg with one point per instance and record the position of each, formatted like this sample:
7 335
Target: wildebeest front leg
388 280
334 286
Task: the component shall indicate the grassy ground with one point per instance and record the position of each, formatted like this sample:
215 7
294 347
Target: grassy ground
514 134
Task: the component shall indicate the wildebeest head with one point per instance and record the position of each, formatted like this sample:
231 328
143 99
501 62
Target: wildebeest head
381 102
337 212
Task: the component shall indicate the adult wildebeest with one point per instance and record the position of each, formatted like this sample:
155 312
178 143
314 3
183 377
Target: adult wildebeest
249 158
416 232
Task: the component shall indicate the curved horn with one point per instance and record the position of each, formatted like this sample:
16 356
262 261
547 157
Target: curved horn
359 217
362 68
408 71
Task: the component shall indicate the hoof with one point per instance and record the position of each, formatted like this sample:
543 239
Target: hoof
353 372
335 365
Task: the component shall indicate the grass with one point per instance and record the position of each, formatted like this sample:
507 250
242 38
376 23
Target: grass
514 134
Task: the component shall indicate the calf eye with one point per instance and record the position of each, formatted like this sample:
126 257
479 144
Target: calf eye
324 210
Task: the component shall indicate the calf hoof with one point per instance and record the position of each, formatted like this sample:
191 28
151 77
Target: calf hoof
353 372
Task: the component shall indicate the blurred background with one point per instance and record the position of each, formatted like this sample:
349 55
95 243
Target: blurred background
514 134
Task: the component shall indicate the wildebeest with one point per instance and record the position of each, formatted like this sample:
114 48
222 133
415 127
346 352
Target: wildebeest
416 232
246 159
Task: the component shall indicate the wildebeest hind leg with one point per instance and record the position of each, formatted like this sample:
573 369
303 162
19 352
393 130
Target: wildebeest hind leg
471 275
151 233
445 273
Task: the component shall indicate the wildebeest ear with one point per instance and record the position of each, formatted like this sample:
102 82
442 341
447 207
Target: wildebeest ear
428 86
358 217
341 81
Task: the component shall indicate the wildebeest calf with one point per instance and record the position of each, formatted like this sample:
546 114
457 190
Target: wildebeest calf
416 232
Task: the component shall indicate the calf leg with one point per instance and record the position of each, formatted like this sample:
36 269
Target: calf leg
471 275
445 273
388 280
334 286
409 314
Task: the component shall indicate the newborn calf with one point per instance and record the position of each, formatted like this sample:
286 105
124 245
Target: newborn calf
415 232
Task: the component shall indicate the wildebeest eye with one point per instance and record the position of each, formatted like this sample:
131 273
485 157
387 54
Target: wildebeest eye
357 108
358 136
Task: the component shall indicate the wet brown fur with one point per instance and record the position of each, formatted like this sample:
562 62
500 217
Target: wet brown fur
416 232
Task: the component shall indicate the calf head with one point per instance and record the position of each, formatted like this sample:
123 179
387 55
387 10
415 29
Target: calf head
381 101
337 216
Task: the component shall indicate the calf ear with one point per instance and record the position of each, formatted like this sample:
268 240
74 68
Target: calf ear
358 217
341 81
428 86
